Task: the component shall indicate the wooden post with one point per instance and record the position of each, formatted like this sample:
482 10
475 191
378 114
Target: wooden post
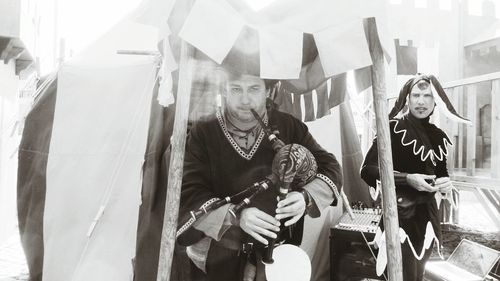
461 129
451 165
495 129
178 142
471 130
452 128
391 225
368 128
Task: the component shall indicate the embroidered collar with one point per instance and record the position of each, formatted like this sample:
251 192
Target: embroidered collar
239 150
418 148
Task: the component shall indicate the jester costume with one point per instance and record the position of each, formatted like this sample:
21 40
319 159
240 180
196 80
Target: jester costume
216 167
418 147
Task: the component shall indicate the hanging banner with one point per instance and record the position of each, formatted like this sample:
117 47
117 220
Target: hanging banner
349 44
212 27
280 53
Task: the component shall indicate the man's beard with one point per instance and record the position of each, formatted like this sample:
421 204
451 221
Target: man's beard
243 117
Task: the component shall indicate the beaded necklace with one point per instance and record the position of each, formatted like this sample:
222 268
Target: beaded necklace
239 134
252 148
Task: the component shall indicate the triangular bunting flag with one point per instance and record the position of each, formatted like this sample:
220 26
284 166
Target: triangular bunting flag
297 108
338 91
322 93
309 107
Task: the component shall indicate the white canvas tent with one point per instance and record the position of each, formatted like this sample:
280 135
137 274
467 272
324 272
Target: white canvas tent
97 146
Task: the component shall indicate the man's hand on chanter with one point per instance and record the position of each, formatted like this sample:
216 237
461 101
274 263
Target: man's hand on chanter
294 206
258 224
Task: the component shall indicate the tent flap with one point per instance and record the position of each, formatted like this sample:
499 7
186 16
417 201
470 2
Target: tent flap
93 171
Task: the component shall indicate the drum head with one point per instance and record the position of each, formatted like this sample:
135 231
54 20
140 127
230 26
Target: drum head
291 263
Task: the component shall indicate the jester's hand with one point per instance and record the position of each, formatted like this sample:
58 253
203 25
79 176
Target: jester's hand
418 182
294 206
443 184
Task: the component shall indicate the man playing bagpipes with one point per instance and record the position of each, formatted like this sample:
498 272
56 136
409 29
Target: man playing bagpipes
227 154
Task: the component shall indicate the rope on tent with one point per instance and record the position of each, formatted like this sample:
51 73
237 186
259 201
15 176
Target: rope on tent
37 92
362 111
368 106
50 78
121 159
132 131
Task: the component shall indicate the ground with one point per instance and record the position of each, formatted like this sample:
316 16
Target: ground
13 266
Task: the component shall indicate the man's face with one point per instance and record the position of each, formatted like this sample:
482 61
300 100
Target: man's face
421 101
244 93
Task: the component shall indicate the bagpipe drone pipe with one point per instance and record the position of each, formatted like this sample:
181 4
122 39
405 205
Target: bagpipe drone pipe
293 166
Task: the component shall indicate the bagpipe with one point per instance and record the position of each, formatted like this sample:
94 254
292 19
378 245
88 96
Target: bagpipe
293 167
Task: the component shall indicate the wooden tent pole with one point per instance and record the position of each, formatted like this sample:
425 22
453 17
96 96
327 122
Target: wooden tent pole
178 142
391 225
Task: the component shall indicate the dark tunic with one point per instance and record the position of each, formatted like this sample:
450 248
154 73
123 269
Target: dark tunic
417 147
213 168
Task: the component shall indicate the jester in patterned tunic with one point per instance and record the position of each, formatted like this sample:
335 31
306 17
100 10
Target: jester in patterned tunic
419 151
227 153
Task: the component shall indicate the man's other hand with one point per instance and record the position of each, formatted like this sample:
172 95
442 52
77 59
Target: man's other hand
258 224
294 206
418 182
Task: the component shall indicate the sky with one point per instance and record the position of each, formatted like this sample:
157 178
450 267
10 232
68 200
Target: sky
77 22
81 22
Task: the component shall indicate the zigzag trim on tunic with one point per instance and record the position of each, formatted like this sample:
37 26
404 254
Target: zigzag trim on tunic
247 156
443 150
380 240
